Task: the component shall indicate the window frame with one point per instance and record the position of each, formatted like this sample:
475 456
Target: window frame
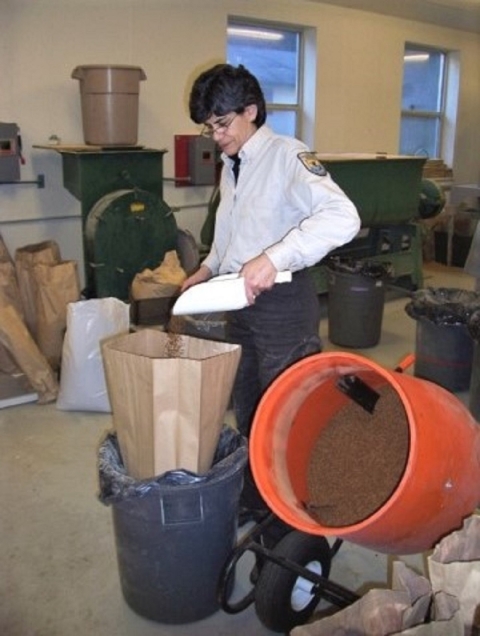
298 107
437 116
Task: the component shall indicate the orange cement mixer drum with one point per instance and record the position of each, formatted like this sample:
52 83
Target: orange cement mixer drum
438 480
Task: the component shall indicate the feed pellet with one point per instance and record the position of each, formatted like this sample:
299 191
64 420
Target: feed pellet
174 346
357 461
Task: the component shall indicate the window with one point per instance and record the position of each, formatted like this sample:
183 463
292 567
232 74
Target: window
274 55
422 101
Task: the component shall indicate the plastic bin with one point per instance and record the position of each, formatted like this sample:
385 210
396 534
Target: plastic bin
443 345
174 533
356 299
109 97
474 394
443 354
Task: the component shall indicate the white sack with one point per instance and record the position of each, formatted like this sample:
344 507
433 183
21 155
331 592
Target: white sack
82 378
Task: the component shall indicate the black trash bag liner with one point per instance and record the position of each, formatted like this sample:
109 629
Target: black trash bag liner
367 268
116 485
443 306
473 326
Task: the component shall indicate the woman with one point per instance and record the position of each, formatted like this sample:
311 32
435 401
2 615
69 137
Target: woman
279 210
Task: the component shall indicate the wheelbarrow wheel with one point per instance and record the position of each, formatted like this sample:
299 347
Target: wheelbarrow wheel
283 599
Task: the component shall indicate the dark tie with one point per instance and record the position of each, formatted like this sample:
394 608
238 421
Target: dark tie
236 166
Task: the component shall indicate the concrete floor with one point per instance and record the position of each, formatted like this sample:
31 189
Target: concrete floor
58 567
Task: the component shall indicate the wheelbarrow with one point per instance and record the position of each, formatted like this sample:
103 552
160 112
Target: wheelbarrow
289 578
437 488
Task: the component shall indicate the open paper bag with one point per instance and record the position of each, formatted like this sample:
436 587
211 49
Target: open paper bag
169 394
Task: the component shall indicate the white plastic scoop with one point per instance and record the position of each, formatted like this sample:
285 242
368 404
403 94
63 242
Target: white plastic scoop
221 293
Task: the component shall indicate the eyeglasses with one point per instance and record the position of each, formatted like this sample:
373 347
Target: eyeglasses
220 127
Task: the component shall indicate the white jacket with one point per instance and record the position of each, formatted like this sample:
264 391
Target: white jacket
284 204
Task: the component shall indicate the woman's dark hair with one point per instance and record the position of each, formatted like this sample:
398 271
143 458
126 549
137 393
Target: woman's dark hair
224 89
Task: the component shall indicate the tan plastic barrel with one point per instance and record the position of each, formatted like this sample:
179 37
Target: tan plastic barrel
109 98
440 483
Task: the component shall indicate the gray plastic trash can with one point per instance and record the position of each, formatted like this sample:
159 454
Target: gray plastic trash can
443 345
356 299
174 533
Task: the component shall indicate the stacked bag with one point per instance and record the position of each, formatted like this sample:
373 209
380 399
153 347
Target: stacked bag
35 289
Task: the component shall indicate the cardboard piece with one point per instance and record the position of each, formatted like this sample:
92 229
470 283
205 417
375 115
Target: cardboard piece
169 394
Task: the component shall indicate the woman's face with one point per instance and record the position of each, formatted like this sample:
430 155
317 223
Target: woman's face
232 130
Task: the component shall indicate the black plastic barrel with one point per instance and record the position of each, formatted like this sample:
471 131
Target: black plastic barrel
443 344
356 299
474 394
443 354
174 534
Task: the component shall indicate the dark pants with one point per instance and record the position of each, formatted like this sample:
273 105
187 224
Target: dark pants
279 329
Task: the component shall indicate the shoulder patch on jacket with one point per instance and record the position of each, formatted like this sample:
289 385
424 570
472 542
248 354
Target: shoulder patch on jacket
312 163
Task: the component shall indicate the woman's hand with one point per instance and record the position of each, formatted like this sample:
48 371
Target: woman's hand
259 275
202 274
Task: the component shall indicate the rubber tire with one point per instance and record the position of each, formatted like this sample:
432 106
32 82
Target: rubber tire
276 583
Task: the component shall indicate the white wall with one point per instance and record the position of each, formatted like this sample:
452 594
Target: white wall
358 89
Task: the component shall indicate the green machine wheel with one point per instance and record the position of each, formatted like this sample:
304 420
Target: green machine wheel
432 199
126 231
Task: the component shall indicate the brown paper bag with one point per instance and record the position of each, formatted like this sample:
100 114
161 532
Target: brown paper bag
4 253
25 259
169 394
7 363
9 295
9 290
445 619
16 338
406 609
454 568
56 285
164 281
